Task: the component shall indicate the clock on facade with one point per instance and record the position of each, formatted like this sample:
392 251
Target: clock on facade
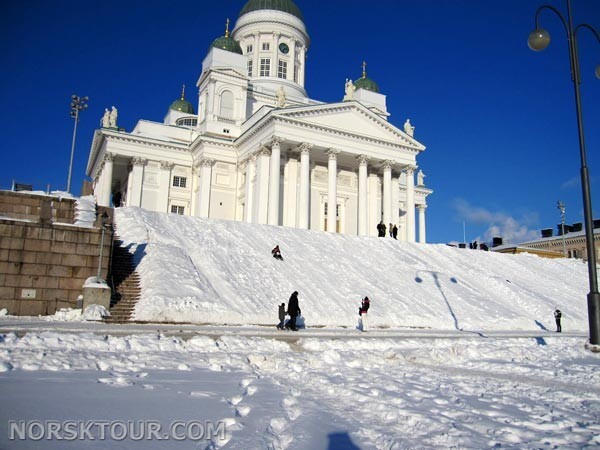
283 48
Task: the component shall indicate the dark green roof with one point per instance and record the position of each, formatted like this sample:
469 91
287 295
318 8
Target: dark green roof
182 105
366 83
227 43
287 6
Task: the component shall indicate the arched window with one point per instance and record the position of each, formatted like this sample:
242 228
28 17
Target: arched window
226 109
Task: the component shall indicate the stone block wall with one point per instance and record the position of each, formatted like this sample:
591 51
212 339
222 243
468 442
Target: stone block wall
28 206
43 265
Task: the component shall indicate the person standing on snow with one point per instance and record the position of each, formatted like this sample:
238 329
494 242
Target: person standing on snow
281 316
293 310
362 312
557 316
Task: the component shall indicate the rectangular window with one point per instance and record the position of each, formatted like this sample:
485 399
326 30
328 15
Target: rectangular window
282 70
265 67
295 74
179 181
249 67
337 210
249 49
266 46
177 209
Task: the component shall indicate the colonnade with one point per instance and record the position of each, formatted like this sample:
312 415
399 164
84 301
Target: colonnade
263 181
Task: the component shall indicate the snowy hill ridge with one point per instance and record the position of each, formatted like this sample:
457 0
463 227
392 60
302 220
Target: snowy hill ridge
222 272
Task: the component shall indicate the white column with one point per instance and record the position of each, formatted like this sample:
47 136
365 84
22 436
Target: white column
275 56
290 193
292 66
137 180
98 186
261 187
303 211
387 193
374 203
274 181
107 179
410 204
395 199
302 67
204 191
256 63
194 193
164 184
332 190
129 185
362 196
422 237
250 173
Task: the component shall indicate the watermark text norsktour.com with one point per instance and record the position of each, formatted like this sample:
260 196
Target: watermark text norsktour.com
116 430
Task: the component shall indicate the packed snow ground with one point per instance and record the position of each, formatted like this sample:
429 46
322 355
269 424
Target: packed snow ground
466 392
462 353
222 272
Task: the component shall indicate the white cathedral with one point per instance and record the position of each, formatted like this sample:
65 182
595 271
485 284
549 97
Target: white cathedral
260 150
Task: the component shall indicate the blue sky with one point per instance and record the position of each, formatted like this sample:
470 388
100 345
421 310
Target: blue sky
498 120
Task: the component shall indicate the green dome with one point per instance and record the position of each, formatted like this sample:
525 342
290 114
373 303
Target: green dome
182 104
366 83
287 6
227 43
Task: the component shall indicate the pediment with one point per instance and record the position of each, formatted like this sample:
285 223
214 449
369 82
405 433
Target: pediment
352 118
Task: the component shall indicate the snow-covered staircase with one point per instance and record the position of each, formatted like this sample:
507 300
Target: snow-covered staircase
125 284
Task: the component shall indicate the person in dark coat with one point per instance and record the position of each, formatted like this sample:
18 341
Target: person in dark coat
281 316
395 232
381 229
293 310
557 317
277 253
362 312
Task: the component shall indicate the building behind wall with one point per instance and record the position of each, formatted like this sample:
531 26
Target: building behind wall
257 148
570 241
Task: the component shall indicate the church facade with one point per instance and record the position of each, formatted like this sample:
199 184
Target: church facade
260 150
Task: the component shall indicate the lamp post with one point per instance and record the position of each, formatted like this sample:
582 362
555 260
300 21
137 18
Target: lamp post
561 207
77 104
538 41
103 223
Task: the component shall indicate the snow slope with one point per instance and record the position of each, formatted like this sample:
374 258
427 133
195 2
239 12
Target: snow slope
222 272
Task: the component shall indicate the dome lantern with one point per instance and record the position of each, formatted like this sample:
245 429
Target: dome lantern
364 82
182 104
227 42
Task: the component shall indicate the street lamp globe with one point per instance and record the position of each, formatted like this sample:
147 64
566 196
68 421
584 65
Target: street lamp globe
538 40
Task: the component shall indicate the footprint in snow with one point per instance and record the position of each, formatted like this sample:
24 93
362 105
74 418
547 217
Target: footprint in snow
235 400
250 390
243 410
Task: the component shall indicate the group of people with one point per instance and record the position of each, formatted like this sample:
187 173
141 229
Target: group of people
381 230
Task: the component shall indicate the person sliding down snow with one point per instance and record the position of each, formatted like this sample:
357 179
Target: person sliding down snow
362 312
277 253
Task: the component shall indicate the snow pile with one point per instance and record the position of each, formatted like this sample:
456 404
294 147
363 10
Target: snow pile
212 271
95 312
85 211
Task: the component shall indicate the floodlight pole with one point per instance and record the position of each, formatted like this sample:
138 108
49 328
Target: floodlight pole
539 40
77 104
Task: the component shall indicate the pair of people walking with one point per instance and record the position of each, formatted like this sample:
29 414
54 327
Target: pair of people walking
293 310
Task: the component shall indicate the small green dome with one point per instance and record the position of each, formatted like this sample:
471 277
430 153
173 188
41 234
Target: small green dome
227 43
366 83
287 6
182 104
